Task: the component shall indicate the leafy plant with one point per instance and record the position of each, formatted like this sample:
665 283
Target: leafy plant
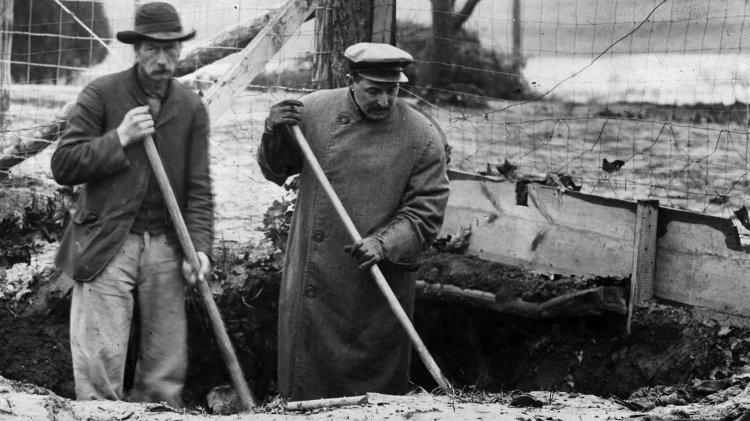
23 232
278 218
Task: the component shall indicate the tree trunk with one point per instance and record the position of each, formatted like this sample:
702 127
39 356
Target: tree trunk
438 74
323 46
384 21
461 17
346 22
6 40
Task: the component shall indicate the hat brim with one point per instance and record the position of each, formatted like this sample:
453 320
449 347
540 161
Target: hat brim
385 77
131 37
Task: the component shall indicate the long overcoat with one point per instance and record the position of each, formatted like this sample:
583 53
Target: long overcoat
115 179
337 335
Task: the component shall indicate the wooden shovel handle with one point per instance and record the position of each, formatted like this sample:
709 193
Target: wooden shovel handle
225 345
424 354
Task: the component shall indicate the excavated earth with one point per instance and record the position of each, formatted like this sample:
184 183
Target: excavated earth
490 356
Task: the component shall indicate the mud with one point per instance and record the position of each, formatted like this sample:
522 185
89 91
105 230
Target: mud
594 355
476 348
36 352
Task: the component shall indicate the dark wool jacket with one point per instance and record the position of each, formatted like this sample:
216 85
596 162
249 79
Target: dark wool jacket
337 334
114 178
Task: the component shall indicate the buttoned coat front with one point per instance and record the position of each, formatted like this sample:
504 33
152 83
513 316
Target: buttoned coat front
337 334
114 178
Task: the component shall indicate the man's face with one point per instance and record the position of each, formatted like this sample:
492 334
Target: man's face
158 60
376 99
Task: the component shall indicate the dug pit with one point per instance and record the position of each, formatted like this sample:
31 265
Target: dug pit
477 346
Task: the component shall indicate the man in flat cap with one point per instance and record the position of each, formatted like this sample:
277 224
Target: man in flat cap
386 161
121 248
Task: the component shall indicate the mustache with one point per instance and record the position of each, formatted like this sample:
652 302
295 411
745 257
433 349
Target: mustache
162 69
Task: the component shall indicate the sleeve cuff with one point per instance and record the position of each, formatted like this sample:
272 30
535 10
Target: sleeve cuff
401 243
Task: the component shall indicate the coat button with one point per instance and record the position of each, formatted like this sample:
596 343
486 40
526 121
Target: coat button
344 119
310 291
138 186
318 237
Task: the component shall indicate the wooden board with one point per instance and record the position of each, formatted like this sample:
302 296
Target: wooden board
699 259
253 58
644 252
644 257
556 232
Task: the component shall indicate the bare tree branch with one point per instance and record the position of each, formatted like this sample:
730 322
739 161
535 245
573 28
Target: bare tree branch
460 18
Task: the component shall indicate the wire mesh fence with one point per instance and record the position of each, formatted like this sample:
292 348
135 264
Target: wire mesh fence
637 99
633 99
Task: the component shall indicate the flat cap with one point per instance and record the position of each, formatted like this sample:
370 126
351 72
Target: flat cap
379 62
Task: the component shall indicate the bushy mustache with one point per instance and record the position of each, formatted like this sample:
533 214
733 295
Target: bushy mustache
162 69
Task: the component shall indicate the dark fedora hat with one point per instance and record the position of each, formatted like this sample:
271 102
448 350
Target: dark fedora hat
157 21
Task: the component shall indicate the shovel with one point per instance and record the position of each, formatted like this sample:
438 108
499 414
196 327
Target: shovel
225 345
424 354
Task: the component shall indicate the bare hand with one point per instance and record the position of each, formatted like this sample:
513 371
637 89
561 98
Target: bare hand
367 251
136 125
283 113
190 275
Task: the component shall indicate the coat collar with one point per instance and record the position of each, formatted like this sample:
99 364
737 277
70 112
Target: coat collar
169 103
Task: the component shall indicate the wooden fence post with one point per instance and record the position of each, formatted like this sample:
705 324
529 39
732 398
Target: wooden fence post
517 33
644 256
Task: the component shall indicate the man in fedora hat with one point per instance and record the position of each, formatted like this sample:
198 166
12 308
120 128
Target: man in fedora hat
386 161
121 248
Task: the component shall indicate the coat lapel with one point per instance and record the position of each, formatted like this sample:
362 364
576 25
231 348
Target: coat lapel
170 107
134 87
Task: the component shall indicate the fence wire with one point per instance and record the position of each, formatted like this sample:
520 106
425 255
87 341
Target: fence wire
637 99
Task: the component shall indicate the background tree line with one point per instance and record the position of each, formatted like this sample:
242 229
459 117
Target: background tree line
450 61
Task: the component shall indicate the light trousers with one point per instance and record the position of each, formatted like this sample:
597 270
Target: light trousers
147 269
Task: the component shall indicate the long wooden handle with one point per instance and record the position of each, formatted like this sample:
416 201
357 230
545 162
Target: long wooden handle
225 345
424 354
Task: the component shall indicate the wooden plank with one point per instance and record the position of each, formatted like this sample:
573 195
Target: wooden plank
223 43
384 21
644 256
693 233
714 282
700 262
253 58
699 259
561 233
644 253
